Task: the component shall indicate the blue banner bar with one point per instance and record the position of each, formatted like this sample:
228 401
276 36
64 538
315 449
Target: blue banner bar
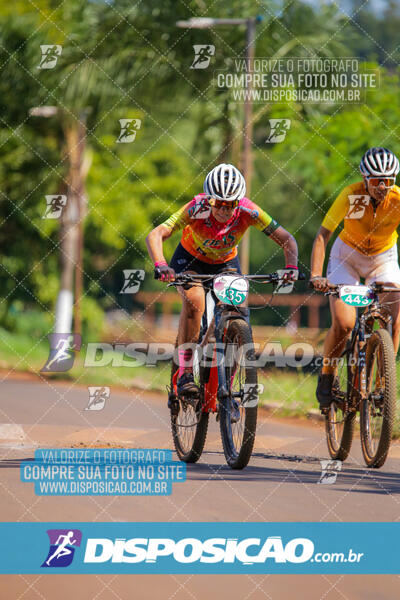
200 548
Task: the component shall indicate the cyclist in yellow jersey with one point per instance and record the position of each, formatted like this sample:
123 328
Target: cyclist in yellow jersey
212 226
365 248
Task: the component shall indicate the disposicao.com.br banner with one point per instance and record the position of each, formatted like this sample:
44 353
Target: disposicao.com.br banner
202 548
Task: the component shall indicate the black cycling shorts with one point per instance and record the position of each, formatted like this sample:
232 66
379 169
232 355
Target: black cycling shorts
182 260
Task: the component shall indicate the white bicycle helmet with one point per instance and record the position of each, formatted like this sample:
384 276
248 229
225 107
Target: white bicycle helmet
379 162
225 182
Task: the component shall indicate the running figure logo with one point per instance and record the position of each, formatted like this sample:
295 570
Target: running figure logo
128 131
50 54
279 129
55 205
200 210
357 206
202 55
251 391
62 352
63 543
97 397
330 470
133 279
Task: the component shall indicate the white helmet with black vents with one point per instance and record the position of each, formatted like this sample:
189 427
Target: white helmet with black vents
225 182
379 162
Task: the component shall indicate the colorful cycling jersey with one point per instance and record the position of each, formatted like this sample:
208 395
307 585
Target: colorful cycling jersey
211 241
367 228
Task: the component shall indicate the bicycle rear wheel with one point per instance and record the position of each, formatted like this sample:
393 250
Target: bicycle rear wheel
238 421
340 421
378 408
189 423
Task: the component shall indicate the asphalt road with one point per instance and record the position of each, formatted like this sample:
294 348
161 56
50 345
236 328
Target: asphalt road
280 484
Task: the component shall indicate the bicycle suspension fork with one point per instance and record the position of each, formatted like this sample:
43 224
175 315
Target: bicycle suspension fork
362 344
220 354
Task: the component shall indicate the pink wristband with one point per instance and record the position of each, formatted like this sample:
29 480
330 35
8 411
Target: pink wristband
161 263
291 267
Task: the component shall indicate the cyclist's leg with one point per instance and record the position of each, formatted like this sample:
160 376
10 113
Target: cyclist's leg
342 269
386 270
392 302
193 303
343 321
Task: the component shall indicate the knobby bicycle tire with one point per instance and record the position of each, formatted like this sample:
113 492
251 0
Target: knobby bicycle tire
238 458
191 450
339 442
380 341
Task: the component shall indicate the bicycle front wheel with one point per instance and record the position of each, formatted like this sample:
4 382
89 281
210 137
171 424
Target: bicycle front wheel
340 421
238 412
189 423
378 408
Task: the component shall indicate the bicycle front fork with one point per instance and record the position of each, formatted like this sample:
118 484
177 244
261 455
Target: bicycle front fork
220 356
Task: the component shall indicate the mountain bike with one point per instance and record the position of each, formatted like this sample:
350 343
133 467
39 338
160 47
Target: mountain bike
224 370
366 378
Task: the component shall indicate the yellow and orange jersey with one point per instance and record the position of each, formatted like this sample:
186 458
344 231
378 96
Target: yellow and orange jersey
366 228
213 242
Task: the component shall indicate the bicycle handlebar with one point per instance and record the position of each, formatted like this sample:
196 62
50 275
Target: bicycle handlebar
333 289
195 277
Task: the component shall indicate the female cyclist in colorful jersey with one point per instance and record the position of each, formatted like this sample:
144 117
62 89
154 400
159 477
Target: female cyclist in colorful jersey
366 247
212 225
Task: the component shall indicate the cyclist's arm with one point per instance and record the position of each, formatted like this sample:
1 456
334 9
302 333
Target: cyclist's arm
318 251
333 217
286 241
154 242
156 237
265 223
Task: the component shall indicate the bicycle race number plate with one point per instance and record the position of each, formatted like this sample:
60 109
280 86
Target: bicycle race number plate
356 295
231 289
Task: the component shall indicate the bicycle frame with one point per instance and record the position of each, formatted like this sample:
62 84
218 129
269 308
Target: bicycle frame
361 332
215 319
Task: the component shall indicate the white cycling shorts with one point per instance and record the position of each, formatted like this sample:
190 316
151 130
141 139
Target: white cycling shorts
347 265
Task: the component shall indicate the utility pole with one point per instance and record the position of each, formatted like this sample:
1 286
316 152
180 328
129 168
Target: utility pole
247 158
72 217
248 138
